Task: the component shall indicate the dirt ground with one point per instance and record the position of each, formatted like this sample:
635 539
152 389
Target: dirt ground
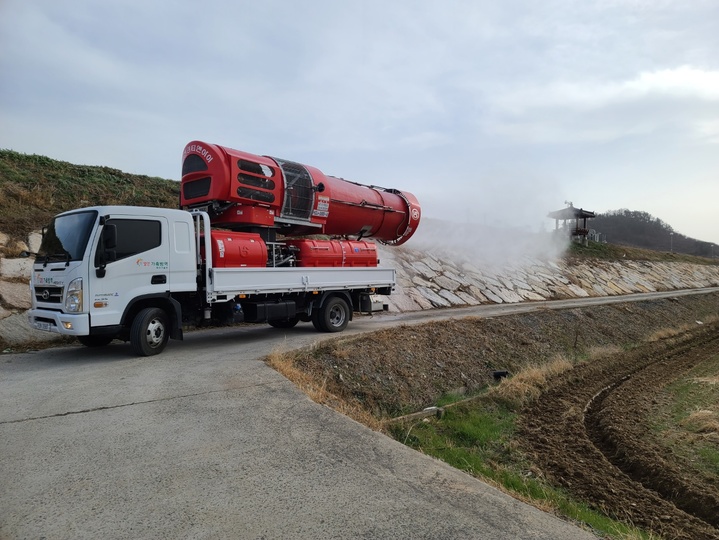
588 433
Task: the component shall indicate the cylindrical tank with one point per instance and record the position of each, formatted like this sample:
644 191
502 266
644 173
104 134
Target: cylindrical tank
337 253
237 249
244 191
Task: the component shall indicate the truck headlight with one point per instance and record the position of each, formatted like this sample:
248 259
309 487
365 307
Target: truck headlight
73 300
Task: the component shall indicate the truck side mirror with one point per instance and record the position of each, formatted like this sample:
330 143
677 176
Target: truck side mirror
109 236
106 250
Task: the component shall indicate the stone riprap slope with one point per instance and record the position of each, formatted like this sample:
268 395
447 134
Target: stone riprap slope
15 293
427 281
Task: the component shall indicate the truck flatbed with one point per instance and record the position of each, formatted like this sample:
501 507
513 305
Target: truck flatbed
229 282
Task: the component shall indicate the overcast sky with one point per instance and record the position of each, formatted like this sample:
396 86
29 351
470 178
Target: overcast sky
493 112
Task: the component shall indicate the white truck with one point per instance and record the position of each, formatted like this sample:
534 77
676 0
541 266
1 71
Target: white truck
141 274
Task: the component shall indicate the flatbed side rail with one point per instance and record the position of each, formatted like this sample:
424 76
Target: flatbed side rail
229 282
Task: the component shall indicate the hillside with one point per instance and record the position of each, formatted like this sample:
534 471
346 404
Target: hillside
640 229
34 188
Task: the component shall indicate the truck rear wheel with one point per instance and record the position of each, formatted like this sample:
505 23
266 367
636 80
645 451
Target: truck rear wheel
333 316
149 332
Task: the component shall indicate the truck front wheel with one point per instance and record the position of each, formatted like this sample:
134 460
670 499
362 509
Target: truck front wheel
333 316
149 332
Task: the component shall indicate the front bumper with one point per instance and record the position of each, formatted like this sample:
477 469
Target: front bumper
59 323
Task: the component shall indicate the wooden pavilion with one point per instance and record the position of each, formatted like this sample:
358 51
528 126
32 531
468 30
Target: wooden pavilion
579 231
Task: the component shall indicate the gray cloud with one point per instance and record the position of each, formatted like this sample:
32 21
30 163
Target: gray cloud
475 106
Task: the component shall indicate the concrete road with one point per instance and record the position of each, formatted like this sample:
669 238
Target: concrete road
206 441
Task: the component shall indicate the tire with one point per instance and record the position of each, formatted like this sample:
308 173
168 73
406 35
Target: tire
333 316
149 332
284 323
95 341
317 320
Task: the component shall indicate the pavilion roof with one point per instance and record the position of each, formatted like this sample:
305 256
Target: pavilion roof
571 213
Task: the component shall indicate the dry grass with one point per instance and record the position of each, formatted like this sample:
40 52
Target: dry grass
13 249
702 421
37 196
668 333
284 363
707 380
340 349
528 384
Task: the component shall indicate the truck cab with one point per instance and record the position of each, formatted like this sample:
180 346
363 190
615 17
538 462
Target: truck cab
99 267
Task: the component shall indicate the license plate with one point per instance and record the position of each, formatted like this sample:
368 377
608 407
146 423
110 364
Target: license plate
40 325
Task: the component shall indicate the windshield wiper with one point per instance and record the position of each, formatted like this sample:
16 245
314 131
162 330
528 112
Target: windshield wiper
65 256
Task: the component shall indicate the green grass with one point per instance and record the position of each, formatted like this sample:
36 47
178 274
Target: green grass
688 423
34 188
477 437
614 252
470 438
449 398
710 457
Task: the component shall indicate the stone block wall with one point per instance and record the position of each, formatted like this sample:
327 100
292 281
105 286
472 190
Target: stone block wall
15 292
426 281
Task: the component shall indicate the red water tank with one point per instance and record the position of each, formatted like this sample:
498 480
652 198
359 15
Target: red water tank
336 253
237 249
243 190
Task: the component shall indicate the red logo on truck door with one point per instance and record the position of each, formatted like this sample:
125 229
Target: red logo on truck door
160 265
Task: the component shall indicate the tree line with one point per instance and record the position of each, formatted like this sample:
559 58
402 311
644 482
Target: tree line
641 229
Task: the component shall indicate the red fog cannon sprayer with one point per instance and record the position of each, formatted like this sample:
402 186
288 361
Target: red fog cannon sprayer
257 240
260 197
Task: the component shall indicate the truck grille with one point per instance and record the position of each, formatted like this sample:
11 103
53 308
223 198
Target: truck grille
51 295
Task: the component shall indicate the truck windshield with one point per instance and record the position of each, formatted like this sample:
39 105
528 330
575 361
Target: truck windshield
66 237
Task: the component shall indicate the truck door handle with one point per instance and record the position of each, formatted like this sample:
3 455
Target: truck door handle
158 279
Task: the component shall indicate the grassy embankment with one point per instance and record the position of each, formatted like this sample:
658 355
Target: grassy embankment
617 252
34 188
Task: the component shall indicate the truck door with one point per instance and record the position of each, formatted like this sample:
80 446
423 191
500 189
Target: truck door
138 265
